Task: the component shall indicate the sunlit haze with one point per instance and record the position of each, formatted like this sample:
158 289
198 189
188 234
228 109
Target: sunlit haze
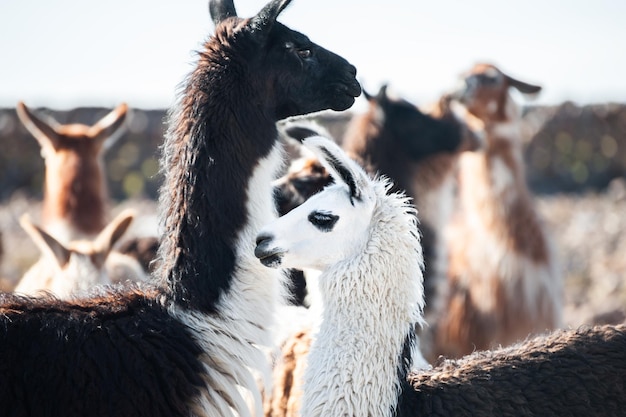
67 53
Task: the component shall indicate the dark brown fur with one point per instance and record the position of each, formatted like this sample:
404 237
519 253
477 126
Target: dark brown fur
394 138
567 373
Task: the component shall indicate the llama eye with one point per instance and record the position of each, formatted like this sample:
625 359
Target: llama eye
304 53
323 221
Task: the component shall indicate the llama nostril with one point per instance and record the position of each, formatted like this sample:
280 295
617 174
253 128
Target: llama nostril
263 238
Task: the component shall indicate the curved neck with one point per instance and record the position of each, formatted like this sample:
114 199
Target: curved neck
218 144
366 342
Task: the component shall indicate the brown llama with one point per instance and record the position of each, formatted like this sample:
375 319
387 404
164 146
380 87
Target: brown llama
503 279
75 194
189 343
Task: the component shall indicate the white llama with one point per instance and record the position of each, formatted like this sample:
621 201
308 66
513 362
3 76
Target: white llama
375 227
364 358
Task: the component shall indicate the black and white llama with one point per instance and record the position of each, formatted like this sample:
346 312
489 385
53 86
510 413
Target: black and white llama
364 359
186 345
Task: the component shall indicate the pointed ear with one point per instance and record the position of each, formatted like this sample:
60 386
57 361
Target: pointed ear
111 126
109 236
522 87
340 166
45 242
221 10
261 24
382 93
45 134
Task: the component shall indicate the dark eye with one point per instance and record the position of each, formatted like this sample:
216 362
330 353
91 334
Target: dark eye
487 79
323 221
304 53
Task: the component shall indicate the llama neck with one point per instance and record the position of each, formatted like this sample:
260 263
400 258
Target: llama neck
495 176
75 197
494 193
366 341
221 155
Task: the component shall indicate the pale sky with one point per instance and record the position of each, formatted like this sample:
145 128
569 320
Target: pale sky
66 53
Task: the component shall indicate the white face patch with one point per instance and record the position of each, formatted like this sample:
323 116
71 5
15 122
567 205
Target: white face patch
318 244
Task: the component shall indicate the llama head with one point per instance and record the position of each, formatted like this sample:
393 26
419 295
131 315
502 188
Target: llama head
74 188
403 128
331 225
305 176
79 264
484 90
293 75
64 145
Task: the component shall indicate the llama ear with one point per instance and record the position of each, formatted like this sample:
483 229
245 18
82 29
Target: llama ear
382 93
300 133
45 242
521 86
262 23
111 126
221 10
109 236
340 166
44 132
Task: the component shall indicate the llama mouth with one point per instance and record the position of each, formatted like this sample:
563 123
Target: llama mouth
346 95
271 261
271 258
351 89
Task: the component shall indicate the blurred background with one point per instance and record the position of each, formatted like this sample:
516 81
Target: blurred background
78 59
75 60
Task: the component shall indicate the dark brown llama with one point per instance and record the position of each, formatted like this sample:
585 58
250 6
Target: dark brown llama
394 138
188 344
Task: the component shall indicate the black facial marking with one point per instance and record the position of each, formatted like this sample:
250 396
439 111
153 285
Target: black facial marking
323 221
344 173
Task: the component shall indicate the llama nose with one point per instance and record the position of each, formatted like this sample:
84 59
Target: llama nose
263 238
262 243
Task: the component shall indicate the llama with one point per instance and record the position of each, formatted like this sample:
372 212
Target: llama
503 279
189 343
75 203
75 194
364 360
64 270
